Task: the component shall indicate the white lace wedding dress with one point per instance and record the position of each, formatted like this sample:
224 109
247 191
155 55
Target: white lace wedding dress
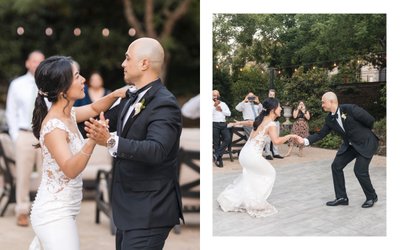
249 192
58 199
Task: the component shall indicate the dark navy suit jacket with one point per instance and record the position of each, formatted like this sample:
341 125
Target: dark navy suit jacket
357 124
145 189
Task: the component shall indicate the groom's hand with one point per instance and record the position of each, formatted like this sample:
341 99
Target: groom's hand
300 140
98 130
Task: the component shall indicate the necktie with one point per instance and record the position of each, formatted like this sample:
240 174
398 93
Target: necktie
133 97
334 117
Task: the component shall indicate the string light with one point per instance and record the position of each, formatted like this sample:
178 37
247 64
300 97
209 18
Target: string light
48 31
105 32
20 30
132 32
77 32
335 62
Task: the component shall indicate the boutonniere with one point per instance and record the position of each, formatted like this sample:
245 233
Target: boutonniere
344 116
139 107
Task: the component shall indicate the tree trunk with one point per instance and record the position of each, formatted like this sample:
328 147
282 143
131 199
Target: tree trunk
146 28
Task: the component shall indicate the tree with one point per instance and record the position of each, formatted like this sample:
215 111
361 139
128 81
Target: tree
91 49
160 27
288 41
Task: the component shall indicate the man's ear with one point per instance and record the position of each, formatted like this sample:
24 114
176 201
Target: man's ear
145 64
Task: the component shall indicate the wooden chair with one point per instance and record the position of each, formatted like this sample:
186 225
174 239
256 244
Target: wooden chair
190 189
238 139
7 170
103 194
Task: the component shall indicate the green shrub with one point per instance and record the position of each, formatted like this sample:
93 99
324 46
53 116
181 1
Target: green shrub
331 141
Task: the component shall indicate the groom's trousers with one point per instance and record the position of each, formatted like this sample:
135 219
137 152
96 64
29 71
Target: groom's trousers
361 170
149 239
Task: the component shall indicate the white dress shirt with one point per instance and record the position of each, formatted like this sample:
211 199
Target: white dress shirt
113 150
20 104
191 109
247 110
219 116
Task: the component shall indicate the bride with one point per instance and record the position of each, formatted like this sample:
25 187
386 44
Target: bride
65 153
249 192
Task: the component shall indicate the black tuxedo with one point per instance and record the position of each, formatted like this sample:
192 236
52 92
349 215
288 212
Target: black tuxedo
145 190
358 142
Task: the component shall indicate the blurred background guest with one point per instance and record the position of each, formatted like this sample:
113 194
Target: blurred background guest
94 90
221 133
20 103
250 108
300 127
191 108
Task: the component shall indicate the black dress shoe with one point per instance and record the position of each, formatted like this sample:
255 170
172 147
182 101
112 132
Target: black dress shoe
220 163
340 201
278 156
369 203
269 157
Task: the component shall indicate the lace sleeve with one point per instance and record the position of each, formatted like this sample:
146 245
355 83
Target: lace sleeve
53 124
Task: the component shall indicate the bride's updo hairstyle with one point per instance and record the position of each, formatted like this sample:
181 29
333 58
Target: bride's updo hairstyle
53 78
268 105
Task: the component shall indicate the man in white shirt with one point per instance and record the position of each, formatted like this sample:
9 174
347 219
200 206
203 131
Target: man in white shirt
20 103
250 108
191 109
221 134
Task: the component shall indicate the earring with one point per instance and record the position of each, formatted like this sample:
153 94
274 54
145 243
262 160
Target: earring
64 95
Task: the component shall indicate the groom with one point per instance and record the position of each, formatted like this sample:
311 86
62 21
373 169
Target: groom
145 196
354 125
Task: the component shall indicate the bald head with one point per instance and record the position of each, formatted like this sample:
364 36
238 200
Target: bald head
330 96
143 62
150 49
329 102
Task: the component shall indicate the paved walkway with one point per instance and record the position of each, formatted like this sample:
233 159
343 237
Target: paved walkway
94 236
302 187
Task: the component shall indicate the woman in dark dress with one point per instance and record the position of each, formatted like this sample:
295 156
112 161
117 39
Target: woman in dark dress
300 127
94 91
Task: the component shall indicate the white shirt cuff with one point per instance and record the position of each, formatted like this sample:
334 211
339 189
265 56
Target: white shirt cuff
306 142
113 150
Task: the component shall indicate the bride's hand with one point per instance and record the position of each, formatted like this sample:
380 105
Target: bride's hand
121 92
299 139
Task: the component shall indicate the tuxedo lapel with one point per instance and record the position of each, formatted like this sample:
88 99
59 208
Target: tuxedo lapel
121 116
148 97
337 127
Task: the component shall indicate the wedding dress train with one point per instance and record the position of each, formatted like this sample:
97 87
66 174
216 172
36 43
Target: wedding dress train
249 192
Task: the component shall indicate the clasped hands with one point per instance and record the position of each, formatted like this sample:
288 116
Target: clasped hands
297 138
97 130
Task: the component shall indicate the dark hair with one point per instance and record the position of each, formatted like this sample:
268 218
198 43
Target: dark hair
268 105
53 76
